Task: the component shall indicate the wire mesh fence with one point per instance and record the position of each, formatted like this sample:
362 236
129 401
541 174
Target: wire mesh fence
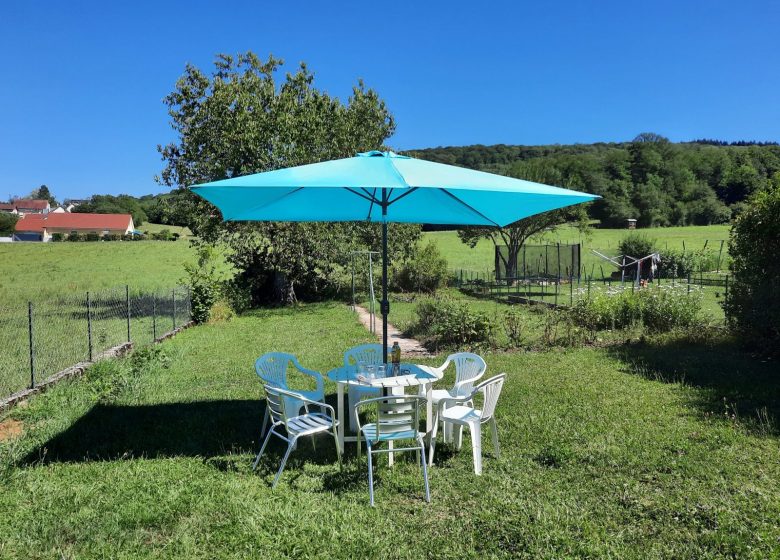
38 339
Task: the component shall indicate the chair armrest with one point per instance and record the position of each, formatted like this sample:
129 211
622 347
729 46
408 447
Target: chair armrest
311 373
443 403
457 386
307 402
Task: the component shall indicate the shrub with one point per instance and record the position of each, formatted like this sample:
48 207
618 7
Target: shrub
753 303
75 236
221 312
112 237
425 271
57 237
453 324
513 325
636 245
163 235
679 264
204 282
657 309
92 236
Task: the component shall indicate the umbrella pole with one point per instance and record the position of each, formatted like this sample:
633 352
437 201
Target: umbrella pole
385 302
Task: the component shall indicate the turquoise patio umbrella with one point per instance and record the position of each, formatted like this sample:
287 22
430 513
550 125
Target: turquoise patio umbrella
384 187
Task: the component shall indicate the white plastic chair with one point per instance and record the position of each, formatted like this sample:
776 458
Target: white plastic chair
296 425
272 370
469 368
369 354
397 418
455 411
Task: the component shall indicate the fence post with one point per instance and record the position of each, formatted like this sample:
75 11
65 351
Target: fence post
689 282
89 325
571 288
173 310
127 310
154 316
32 350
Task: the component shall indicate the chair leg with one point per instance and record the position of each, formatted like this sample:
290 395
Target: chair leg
458 435
425 471
476 446
262 448
433 440
313 445
290 447
494 429
352 419
338 448
370 476
266 418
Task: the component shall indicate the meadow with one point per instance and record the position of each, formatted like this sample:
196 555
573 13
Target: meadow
482 257
656 449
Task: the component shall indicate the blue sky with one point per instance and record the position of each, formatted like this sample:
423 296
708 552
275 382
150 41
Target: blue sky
82 83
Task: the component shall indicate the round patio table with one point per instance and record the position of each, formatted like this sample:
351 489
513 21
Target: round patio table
412 375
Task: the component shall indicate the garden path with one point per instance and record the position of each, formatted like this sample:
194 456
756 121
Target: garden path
409 346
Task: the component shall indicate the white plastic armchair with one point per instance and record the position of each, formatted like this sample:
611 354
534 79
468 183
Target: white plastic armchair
369 354
455 411
296 425
469 368
272 368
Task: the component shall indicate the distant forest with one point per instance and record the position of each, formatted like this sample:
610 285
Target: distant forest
655 181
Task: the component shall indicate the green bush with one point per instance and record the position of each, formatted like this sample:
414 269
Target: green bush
637 245
753 303
57 237
92 236
679 264
205 283
112 237
425 271
75 236
453 324
658 309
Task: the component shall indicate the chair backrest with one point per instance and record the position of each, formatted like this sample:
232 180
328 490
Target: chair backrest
276 404
469 367
272 368
369 354
490 389
397 414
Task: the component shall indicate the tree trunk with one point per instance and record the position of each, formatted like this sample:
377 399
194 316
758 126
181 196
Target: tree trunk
284 289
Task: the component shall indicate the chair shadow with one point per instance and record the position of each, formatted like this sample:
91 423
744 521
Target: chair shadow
217 431
733 381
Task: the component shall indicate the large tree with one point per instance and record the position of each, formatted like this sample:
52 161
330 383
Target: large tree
241 119
515 235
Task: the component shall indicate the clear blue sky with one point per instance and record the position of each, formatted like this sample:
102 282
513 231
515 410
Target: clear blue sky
82 82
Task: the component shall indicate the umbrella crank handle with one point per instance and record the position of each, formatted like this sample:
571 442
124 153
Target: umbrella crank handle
384 307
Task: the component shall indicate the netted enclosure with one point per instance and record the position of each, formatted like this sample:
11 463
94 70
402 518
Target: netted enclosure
558 261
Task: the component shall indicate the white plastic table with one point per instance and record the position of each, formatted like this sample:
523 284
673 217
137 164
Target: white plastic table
412 375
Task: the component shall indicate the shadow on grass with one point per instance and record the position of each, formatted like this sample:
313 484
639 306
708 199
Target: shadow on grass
734 383
216 431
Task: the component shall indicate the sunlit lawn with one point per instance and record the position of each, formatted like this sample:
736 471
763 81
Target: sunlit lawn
605 453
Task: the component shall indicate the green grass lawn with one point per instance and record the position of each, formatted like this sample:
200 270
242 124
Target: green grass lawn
37 271
664 449
482 257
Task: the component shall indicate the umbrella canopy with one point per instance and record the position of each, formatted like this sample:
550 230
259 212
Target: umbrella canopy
384 187
352 189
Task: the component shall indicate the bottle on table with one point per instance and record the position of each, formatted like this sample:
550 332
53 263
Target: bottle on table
395 355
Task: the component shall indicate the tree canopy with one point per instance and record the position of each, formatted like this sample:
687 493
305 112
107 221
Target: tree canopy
241 119
651 179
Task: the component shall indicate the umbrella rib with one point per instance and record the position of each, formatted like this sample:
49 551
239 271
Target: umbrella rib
470 207
410 191
366 196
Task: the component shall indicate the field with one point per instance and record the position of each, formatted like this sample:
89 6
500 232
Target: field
38 271
482 257
654 450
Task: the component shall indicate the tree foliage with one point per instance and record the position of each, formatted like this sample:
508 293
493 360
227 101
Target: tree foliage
651 179
43 193
110 204
7 224
753 303
516 234
241 119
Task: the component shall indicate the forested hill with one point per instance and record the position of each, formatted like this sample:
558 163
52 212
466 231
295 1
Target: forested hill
656 181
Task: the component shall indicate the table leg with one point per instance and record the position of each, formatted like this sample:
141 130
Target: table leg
342 419
391 455
429 413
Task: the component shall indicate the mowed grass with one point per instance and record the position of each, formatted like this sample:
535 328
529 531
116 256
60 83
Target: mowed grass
37 271
482 257
648 451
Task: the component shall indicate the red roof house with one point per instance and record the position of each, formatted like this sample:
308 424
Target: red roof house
40 227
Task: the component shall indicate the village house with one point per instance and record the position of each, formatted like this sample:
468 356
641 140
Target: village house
41 227
26 206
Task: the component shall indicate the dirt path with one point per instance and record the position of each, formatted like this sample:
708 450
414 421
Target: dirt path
409 346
